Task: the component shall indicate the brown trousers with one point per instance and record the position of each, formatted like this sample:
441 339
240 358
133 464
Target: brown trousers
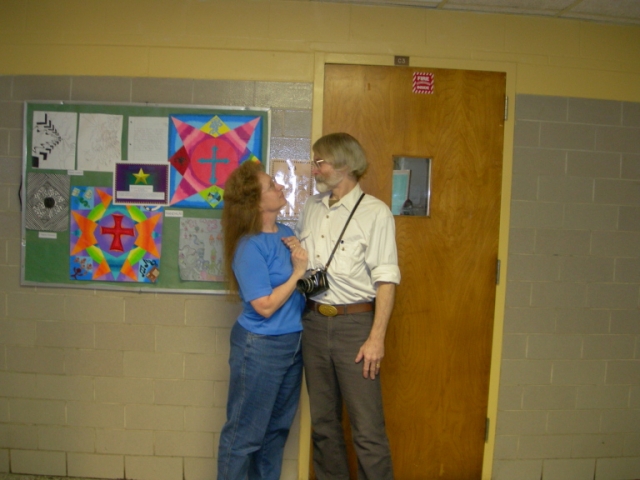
329 348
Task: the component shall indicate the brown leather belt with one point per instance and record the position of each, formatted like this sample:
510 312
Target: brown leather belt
333 310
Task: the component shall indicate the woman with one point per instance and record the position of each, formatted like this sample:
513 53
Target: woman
265 358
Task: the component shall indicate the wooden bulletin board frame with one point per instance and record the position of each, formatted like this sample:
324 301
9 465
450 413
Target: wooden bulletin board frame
45 259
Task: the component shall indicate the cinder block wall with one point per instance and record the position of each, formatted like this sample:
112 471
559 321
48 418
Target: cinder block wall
569 405
99 383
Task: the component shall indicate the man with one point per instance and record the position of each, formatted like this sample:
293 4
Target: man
344 327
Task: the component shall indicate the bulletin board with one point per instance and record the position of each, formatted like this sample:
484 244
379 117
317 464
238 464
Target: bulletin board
129 196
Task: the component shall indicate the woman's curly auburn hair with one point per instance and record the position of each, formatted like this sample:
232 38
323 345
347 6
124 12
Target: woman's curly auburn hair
241 212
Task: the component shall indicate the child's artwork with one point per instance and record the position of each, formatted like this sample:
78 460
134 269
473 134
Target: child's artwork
200 250
110 242
147 139
53 140
47 202
99 142
141 183
204 150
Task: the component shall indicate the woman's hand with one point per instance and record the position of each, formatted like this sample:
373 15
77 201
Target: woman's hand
291 242
299 256
299 260
268 304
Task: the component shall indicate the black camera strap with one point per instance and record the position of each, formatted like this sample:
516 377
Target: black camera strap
343 230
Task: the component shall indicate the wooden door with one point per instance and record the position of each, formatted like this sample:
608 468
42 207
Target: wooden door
435 374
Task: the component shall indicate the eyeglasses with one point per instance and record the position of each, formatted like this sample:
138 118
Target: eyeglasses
318 162
273 184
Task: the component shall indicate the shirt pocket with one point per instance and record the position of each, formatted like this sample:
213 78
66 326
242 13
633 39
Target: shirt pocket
349 256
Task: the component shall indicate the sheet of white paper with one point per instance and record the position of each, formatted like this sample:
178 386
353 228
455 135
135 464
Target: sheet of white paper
99 142
141 192
148 140
53 140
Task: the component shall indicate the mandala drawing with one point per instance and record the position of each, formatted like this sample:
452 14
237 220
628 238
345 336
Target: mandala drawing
200 250
47 202
204 150
110 242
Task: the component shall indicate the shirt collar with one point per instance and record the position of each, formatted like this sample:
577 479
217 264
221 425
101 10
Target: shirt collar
348 201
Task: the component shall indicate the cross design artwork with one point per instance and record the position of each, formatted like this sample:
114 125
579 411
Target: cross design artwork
213 161
117 231
204 150
109 242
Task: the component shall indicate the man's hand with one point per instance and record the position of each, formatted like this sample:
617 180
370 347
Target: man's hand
372 352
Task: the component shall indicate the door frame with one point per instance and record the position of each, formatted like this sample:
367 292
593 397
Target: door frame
320 60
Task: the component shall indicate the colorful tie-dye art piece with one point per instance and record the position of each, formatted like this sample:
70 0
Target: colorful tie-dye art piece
115 243
204 150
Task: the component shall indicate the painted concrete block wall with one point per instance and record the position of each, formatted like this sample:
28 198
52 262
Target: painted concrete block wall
241 44
97 383
569 404
281 40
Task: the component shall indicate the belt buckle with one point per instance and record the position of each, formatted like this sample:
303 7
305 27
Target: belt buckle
327 310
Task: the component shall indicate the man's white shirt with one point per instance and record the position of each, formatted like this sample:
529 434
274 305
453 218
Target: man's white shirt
367 253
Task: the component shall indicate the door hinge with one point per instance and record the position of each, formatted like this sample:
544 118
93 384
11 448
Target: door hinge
487 424
506 108
498 272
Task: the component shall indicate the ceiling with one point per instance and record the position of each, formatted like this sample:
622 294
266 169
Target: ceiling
609 11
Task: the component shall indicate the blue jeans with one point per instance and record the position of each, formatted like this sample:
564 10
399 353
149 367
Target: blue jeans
264 389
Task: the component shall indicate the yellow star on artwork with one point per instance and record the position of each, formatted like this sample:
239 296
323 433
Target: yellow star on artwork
141 177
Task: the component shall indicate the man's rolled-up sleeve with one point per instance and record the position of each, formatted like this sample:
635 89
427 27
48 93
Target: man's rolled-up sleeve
386 273
382 254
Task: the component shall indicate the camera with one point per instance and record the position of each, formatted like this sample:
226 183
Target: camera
314 282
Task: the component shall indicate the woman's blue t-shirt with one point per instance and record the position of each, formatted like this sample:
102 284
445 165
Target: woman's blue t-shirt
261 263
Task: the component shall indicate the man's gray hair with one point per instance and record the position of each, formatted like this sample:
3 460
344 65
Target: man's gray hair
342 150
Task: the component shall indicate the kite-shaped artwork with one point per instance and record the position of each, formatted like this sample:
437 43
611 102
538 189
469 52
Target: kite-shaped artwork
204 150
200 250
110 242
47 202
